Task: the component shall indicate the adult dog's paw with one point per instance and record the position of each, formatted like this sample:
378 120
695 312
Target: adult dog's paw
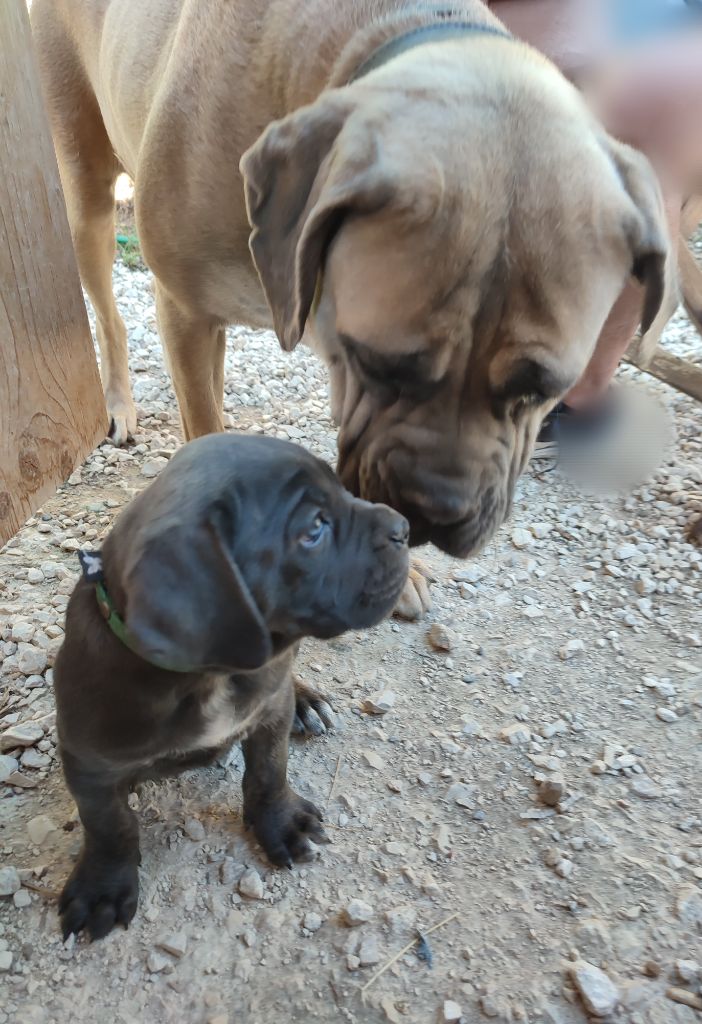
285 827
99 894
123 418
415 600
314 714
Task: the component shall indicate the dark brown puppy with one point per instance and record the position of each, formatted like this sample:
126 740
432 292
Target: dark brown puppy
181 637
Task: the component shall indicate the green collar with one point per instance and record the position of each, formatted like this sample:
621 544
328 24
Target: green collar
91 567
119 628
112 617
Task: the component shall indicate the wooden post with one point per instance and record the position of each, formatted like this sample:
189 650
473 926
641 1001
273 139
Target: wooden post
52 410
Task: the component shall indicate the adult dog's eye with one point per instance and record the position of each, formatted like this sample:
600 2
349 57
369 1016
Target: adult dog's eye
530 383
316 531
405 375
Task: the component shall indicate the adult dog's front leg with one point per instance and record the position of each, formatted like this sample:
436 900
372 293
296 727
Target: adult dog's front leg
282 821
194 347
103 887
415 600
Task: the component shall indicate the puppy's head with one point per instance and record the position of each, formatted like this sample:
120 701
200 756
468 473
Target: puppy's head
451 232
243 546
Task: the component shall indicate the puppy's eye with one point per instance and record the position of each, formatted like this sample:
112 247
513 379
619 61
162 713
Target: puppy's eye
314 534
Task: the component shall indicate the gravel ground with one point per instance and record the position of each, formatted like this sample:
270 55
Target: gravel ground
528 801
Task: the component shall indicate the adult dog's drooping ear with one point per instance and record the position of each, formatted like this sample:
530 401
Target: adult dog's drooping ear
302 176
646 229
187 605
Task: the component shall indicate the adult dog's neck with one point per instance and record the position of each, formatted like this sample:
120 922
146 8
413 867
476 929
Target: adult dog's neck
336 47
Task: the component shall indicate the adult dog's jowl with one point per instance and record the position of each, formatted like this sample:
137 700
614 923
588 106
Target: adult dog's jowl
433 208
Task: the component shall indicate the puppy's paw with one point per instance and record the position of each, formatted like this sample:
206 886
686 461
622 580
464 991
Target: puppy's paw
285 827
99 894
314 714
415 599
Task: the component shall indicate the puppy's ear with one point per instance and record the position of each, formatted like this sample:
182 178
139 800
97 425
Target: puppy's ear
301 177
187 604
647 231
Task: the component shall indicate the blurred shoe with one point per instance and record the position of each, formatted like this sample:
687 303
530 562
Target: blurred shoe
567 427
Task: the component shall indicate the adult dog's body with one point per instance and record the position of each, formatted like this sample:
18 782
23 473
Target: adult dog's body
448 224
243 546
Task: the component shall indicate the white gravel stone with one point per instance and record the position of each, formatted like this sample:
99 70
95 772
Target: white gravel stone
516 734
666 715
380 703
598 992
31 660
157 962
357 912
440 637
571 649
521 538
9 881
194 829
645 788
8 765
369 951
251 884
625 552
463 795
312 922
21 735
176 944
6 958
452 1011
32 758
40 828
22 631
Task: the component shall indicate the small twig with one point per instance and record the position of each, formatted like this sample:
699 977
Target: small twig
406 949
41 890
336 776
685 998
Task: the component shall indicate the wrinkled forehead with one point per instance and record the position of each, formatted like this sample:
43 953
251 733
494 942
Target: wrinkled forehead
467 278
389 279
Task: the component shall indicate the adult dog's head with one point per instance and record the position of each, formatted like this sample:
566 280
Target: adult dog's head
243 546
451 231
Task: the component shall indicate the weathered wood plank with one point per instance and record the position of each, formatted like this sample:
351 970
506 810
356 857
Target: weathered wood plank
680 374
52 411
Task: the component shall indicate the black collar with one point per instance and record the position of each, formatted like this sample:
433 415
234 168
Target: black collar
437 31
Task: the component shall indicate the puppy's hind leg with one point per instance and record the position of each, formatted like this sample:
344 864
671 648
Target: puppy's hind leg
103 887
89 169
283 822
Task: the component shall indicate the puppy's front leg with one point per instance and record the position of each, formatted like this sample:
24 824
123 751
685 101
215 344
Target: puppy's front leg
103 887
281 820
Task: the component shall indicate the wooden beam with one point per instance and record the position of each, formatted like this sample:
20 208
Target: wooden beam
680 374
52 411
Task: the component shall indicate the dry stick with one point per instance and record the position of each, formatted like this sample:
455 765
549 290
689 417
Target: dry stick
406 949
336 776
48 894
685 998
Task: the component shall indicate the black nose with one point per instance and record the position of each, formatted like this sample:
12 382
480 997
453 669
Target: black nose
399 531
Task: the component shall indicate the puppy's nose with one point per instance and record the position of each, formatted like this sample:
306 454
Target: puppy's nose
399 532
391 528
